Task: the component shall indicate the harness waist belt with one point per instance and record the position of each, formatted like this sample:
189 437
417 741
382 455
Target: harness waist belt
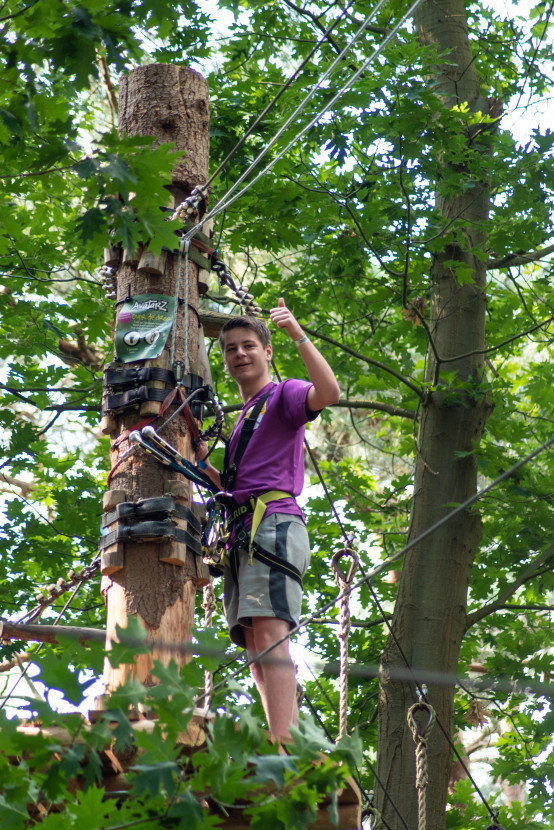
257 506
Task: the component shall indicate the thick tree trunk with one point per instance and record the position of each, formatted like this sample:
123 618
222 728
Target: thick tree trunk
154 581
429 618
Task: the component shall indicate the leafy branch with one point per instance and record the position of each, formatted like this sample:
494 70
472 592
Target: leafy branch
519 258
529 573
368 360
498 346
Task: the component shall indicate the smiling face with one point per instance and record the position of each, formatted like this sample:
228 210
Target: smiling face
246 360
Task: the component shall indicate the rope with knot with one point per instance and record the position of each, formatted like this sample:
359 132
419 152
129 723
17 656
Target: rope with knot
420 733
344 582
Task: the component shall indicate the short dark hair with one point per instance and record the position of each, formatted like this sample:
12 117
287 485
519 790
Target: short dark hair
255 324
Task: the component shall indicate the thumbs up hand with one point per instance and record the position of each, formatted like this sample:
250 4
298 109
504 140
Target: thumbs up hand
285 319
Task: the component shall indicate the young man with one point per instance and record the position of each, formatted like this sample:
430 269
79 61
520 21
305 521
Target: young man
262 588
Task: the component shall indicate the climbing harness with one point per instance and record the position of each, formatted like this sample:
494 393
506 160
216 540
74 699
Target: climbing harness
420 734
243 540
230 466
344 582
222 510
226 516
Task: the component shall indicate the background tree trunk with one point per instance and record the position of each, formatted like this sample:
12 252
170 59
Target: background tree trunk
429 617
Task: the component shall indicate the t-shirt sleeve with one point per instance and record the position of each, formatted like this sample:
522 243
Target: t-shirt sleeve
293 402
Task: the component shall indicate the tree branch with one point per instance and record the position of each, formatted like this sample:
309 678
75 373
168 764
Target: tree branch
45 172
315 20
49 633
529 572
20 12
25 486
368 360
344 403
519 258
500 345
390 409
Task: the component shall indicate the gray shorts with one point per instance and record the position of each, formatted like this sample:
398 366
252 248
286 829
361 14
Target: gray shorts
263 591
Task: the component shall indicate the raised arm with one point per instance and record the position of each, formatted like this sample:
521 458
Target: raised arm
325 390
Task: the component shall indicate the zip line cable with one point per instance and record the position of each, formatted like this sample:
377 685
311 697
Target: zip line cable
227 200
297 111
283 89
186 209
525 686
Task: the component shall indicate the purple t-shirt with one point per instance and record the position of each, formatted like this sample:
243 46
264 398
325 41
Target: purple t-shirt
274 457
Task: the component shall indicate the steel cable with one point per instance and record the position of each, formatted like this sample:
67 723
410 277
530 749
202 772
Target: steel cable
227 200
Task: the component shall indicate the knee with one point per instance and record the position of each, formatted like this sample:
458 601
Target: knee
267 631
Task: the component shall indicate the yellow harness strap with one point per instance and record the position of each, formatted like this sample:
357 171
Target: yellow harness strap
259 511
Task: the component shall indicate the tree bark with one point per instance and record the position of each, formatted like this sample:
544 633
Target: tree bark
170 103
429 618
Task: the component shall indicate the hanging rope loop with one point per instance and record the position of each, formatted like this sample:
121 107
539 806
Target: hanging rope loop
420 733
344 582
209 604
419 730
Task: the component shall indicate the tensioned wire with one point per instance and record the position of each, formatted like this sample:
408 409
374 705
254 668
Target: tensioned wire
227 200
283 89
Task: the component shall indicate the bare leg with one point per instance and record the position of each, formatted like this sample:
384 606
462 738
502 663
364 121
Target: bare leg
274 674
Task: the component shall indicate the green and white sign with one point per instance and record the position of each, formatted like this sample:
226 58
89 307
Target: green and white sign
142 326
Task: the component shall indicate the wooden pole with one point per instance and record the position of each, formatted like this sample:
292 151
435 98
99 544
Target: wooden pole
152 580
